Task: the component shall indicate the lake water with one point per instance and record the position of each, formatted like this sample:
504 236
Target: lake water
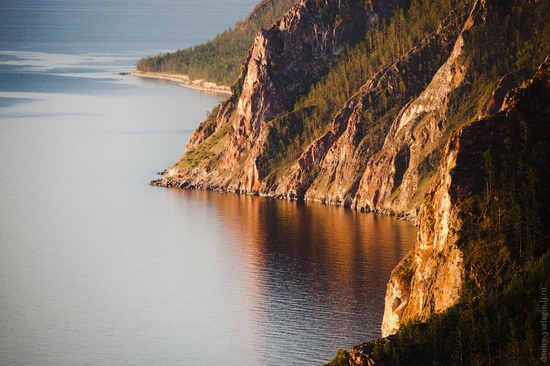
99 268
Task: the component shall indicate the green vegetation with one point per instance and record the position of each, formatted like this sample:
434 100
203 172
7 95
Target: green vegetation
428 165
341 358
313 113
514 39
516 35
219 60
507 226
210 147
286 135
503 327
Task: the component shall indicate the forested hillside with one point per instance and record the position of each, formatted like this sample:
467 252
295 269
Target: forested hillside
219 60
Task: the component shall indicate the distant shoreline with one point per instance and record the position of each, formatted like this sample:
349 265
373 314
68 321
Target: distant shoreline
183 80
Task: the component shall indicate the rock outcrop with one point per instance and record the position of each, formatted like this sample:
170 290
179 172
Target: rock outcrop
430 278
349 174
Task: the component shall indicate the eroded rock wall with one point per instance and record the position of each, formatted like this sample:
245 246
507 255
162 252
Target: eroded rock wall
281 65
430 278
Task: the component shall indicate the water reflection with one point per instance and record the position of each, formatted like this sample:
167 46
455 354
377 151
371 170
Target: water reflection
310 274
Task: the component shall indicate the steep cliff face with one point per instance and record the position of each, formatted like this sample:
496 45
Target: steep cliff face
389 181
416 133
343 166
281 65
430 277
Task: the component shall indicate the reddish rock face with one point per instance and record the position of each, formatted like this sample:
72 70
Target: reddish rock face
430 278
281 65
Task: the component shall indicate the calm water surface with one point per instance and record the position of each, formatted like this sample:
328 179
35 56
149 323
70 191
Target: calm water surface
97 267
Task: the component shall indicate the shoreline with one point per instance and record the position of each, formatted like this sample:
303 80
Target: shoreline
184 81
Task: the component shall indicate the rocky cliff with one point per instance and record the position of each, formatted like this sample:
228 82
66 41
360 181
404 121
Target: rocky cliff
430 278
282 65
407 141
342 166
